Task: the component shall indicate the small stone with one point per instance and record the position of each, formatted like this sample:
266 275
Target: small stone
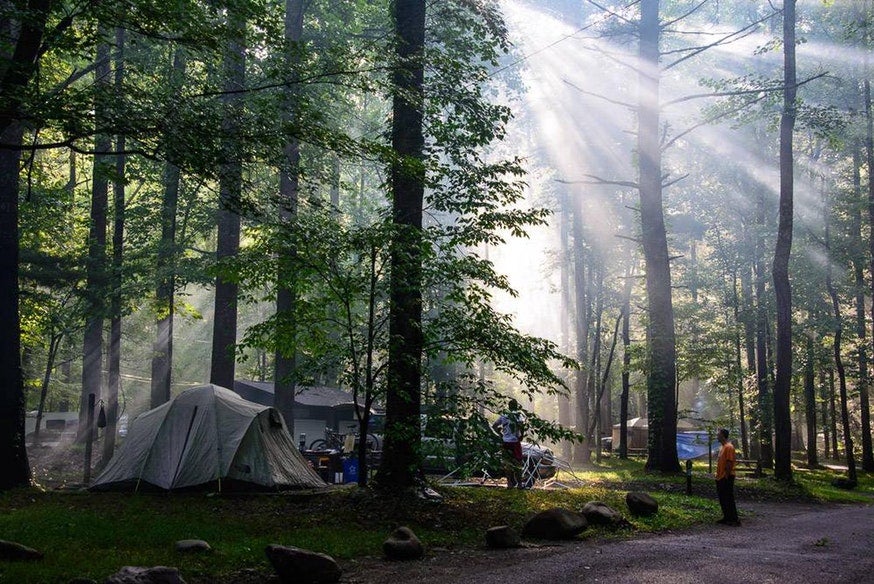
403 544
502 537
192 545
137 575
302 566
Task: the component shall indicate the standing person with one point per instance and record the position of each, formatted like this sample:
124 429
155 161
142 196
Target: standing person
725 473
511 425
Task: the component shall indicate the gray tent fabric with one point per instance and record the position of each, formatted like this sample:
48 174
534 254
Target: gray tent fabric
208 435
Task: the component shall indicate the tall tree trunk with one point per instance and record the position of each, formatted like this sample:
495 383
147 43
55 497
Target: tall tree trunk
661 383
285 358
165 290
113 388
867 454
224 334
404 371
13 452
858 255
96 277
582 450
838 359
780 269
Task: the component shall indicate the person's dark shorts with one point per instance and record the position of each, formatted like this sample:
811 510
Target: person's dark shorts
514 449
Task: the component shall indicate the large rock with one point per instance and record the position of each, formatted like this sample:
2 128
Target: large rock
403 544
555 524
502 537
155 575
9 550
599 513
641 504
302 566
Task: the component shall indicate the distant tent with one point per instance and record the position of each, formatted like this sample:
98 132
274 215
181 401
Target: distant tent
638 432
208 436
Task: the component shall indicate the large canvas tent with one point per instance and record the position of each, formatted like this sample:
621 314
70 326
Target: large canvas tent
208 436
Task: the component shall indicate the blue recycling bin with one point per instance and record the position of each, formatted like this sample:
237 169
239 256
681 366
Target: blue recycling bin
350 470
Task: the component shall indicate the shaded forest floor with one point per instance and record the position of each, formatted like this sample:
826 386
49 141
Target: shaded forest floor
92 535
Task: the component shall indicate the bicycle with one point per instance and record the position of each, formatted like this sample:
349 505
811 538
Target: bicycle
337 441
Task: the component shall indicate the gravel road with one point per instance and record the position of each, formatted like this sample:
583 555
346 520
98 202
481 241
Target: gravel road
777 543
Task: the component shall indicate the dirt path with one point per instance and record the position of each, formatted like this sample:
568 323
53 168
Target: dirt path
777 543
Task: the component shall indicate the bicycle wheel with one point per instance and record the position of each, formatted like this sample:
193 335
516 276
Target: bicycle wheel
373 442
318 445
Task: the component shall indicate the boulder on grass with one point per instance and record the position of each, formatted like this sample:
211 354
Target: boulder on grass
137 575
9 550
554 524
502 537
403 544
599 513
641 504
302 566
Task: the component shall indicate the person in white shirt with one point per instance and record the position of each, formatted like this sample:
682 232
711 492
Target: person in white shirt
511 425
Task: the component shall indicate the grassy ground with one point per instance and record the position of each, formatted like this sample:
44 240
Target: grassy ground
92 535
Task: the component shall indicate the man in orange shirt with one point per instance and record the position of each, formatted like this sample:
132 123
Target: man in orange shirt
725 473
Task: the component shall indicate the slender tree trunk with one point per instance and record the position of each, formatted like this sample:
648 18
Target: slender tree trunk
765 405
738 363
113 388
224 334
824 400
834 412
661 343
165 291
285 359
13 452
810 402
839 363
582 450
626 369
96 276
54 342
565 413
404 371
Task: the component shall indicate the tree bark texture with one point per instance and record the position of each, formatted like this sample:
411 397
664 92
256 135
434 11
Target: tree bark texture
661 342
96 273
782 251
224 335
285 358
165 291
13 452
868 453
583 449
404 372
113 388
